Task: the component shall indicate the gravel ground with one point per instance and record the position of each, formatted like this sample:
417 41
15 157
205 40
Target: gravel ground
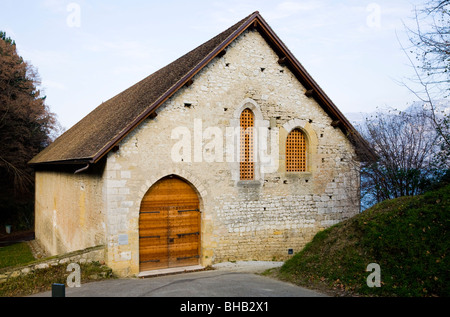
247 266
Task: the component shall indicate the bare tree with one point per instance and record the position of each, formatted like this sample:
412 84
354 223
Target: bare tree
406 144
430 43
414 147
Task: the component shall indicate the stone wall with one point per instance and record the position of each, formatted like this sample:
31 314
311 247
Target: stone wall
69 210
253 220
95 254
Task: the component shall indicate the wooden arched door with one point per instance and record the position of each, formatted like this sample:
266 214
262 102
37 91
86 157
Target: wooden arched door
169 226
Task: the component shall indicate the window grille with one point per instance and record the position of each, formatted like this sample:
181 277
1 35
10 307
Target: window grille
296 152
246 148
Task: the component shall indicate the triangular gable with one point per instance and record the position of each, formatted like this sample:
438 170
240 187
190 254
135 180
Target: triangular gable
99 132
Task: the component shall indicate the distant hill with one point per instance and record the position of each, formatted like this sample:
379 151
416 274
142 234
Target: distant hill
442 107
408 237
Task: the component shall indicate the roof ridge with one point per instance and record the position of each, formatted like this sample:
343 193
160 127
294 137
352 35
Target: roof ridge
146 112
72 137
104 127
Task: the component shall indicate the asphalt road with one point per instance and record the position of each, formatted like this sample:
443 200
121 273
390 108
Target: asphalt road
227 280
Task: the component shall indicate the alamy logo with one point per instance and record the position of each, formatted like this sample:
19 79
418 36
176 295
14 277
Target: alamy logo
374 279
214 144
74 278
74 18
374 18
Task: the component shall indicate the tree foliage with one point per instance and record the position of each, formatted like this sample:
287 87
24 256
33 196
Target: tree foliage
25 122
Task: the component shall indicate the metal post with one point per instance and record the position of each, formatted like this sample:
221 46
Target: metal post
58 290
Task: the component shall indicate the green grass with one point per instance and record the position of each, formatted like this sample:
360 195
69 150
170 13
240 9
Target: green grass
408 237
16 254
41 280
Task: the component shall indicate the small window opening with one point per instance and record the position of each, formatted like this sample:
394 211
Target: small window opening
247 145
296 152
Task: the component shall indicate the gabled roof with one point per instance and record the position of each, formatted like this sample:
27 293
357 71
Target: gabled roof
100 131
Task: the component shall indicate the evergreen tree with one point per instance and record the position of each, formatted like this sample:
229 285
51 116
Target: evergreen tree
25 128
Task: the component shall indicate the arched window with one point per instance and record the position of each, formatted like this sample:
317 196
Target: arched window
246 146
296 152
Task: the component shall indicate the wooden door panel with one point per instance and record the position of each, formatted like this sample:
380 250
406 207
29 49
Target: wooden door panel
169 226
153 254
184 252
153 224
154 265
185 229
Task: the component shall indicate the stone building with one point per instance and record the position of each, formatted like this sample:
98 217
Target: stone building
231 152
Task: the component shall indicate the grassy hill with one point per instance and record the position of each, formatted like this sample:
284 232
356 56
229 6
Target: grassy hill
408 237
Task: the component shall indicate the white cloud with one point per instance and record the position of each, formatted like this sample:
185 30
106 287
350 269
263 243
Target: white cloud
56 6
123 49
120 42
45 57
289 8
9 32
50 84
294 7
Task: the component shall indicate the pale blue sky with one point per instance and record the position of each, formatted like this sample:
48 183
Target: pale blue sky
88 51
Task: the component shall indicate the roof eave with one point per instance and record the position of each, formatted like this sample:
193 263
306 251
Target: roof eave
311 84
181 83
62 162
256 21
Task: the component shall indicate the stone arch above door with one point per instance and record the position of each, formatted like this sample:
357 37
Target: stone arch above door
188 177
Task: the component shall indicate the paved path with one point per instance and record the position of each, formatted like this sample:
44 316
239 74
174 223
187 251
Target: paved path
227 280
